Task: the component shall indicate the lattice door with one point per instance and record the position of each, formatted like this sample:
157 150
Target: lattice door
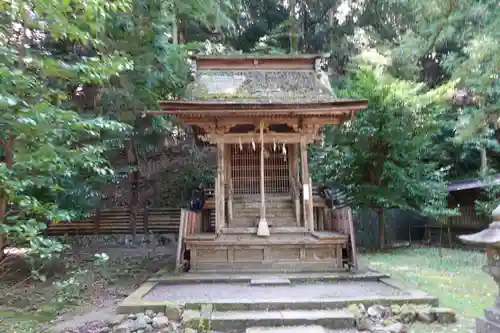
245 166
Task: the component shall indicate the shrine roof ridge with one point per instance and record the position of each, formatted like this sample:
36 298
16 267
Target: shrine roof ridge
252 56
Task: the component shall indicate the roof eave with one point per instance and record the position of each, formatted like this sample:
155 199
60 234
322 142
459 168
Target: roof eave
249 111
235 105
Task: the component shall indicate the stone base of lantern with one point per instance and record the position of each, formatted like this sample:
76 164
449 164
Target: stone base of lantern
483 325
490 323
490 238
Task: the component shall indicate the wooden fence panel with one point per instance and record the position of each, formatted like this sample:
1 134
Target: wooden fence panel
117 221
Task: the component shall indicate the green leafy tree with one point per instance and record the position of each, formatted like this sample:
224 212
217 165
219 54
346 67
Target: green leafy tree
382 155
47 145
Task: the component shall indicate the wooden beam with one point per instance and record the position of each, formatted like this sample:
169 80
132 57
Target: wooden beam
232 121
256 64
225 123
255 137
323 117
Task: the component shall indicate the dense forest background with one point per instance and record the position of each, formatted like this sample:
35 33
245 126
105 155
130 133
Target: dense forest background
76 78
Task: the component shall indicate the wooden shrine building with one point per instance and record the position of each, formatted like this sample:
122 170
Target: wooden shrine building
262 112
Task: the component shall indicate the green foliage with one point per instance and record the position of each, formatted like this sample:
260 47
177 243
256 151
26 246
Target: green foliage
430 42
53 147
382 154
72 75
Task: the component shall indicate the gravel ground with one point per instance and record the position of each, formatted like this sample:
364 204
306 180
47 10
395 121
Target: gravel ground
206 292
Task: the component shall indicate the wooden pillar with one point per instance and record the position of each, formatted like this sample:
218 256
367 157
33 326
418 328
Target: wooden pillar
263 227
220 216
306 190
311 205
262 187
293 160
352 235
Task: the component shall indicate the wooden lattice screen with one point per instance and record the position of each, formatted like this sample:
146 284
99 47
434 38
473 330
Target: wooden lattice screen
245 166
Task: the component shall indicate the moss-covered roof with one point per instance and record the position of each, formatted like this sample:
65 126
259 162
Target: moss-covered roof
260 86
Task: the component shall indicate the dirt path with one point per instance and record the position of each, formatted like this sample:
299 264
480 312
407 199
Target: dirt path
90 319
91 294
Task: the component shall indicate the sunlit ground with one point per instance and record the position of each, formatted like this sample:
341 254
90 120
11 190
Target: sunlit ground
456 278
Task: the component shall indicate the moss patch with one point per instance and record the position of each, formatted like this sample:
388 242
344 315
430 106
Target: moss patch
456 278
286 86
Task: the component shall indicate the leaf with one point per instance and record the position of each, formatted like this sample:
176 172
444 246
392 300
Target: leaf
7 101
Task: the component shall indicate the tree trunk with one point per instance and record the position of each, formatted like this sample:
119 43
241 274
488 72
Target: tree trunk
381 227
175 29
484 162
293 26
134 182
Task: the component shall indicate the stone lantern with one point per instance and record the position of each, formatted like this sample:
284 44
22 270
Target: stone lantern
489 238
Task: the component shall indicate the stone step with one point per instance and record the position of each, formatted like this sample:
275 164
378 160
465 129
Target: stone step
296 329
269 282
313 304
241 320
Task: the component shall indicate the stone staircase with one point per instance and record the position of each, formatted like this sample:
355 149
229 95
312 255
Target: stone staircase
246 320
272 303
271 317
280 211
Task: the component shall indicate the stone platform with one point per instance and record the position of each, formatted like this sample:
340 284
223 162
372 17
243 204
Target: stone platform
233 303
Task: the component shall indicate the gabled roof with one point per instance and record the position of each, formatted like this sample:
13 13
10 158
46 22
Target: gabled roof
260 84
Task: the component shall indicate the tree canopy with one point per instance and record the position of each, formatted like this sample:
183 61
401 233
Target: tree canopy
76 78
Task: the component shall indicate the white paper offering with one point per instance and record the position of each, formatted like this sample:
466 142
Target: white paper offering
306 191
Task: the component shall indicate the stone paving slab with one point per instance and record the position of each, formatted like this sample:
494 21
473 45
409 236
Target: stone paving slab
239 277
299 295
326 318
219 292
269 282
